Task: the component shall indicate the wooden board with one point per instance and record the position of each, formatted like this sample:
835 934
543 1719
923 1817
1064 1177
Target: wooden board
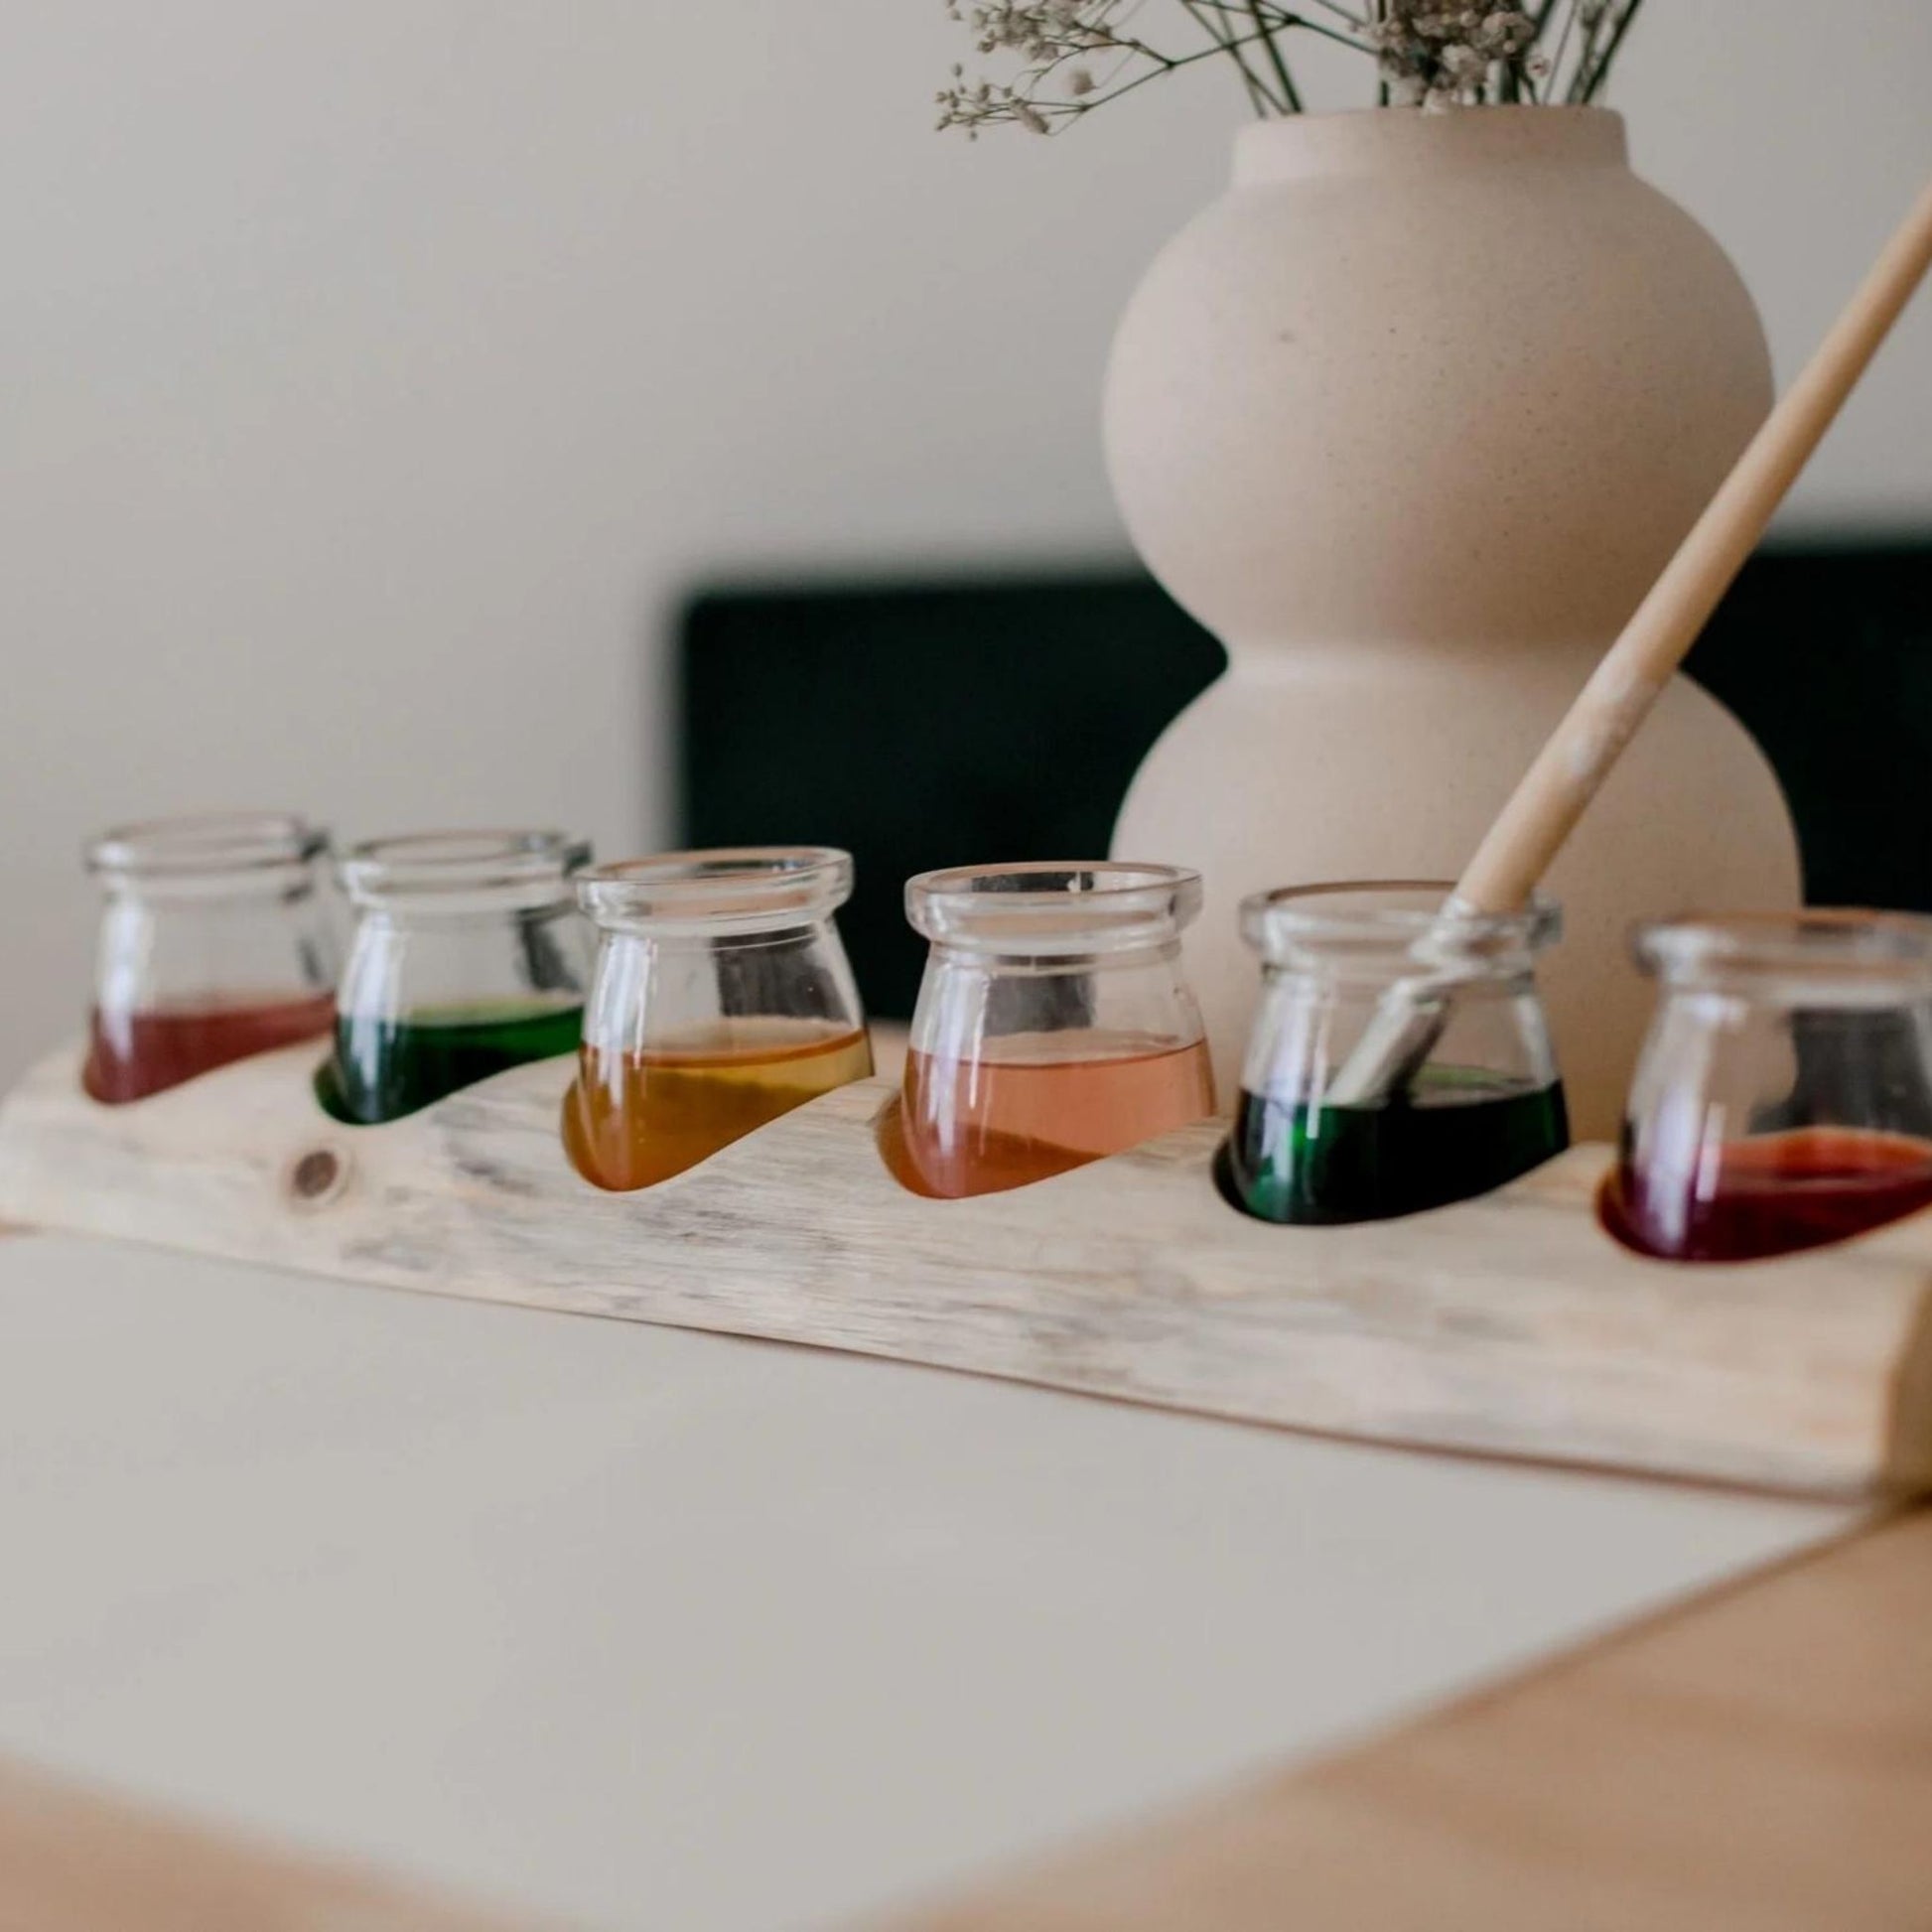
1509 1326
1761 1763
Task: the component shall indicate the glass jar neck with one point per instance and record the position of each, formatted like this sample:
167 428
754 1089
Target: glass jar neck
703 941
1358 971
214 857
259 887
463 876
1822 958
1141 955
1372 934
1022 918
741 893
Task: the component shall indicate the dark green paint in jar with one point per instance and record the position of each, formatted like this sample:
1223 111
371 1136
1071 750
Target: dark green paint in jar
382 1069
468 959
1451 1135
1483 1108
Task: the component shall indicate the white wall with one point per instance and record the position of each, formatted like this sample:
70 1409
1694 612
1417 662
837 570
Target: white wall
374 373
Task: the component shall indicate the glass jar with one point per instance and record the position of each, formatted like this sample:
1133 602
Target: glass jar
216 943
1784 1097
468 957
722 999
1053 1025
1484 1106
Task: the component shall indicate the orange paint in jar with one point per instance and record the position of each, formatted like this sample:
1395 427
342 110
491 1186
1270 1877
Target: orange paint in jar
631 1120
720 1000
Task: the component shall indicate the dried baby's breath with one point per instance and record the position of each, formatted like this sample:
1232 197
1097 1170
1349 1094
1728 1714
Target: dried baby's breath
1075 55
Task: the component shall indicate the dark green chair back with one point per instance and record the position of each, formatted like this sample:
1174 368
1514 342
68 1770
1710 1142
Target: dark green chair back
944 723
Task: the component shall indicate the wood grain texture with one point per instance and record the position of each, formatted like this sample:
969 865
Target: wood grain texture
76 1862
1761 1763
1510 1326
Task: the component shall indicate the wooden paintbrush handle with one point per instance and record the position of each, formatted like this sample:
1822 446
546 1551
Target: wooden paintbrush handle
1552 794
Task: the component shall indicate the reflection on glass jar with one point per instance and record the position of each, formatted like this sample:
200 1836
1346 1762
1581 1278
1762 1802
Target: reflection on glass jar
1784 1097
214 944
468 959
1485 1105
720 1000
1053 1025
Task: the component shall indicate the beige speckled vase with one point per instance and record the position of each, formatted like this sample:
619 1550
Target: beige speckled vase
1410 419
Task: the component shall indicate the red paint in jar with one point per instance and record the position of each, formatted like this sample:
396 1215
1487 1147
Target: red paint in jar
133 1054
1771 1195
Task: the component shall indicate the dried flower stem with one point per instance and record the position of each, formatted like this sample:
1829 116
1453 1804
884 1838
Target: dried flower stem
1279 66
1429 54
1584 88
1210 17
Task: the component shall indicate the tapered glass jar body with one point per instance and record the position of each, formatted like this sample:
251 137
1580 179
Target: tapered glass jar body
216 941
722 999
468 957
1784 1097
1483 1106
1054 1023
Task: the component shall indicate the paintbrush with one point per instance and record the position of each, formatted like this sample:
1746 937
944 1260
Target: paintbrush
1565 775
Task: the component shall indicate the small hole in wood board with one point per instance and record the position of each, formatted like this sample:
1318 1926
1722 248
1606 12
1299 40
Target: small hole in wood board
315 1177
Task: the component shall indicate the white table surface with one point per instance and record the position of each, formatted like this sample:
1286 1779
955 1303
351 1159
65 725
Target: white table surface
648 1628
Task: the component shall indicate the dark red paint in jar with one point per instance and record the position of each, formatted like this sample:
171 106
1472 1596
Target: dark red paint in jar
1774 1195
133 1054
216 943
1783 1099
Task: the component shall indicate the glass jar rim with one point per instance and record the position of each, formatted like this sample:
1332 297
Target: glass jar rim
1389 916
204 845
456 869
719 889
1813 952
1049 907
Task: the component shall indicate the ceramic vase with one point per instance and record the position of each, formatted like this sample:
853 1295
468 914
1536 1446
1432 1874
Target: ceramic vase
1410 419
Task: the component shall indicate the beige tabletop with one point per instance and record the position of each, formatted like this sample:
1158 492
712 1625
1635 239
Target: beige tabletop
626 1627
